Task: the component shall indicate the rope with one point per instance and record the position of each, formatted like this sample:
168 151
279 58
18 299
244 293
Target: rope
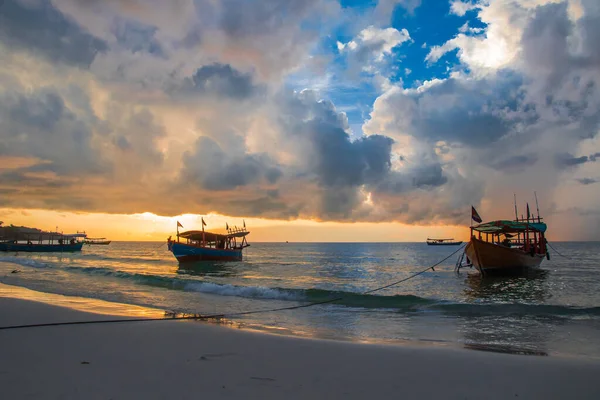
557 252
218 316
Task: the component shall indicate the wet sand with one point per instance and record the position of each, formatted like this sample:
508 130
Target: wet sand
189 360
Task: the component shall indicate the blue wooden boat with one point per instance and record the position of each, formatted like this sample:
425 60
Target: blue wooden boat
209 246
31 240
14 246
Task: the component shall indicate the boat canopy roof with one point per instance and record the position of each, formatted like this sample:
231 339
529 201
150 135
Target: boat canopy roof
210 236
503 226
24 233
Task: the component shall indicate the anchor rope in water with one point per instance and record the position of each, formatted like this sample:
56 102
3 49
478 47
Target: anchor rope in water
228 315
557 252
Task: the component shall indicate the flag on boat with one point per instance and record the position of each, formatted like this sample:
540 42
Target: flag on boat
179 224
474 215
203 223
244 223
527 211
226 226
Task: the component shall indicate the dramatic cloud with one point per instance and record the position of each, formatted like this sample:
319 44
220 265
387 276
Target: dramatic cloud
473 112
39 124
221 81
524 103
197 106
38 26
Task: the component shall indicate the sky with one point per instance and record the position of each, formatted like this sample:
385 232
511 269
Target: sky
309 120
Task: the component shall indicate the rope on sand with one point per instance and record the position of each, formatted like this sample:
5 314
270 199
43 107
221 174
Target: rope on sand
228 315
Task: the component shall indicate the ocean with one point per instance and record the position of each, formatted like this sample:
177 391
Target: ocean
552 311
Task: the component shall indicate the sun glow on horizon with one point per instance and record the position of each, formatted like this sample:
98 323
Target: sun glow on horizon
147 226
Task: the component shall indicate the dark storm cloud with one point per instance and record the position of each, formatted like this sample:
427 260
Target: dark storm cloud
241 19
544 41
213 168
40 28
516 163
39 124
472 112
566 160
428 175
137 37
338 161
221 80
587 181
345 169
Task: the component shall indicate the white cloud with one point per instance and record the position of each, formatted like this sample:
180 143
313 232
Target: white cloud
524 112
460 8
370 47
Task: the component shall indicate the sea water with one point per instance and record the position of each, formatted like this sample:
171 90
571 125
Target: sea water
553 310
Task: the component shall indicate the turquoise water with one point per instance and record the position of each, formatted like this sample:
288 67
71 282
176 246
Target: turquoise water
555 310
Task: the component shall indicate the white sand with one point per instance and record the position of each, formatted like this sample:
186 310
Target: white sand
192 360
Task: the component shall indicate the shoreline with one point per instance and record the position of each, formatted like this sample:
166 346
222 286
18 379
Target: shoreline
95 306
177 359
98 307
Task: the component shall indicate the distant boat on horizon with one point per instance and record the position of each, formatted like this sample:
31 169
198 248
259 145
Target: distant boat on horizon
97 241
443 242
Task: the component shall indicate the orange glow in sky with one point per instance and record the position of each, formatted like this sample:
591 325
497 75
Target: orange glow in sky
150 227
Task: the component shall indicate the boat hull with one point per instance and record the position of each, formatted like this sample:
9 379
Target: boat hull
186 253
490 258
41 248
104 243
444 244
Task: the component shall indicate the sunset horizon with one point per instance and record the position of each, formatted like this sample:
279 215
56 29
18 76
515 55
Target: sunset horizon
300 199
338 112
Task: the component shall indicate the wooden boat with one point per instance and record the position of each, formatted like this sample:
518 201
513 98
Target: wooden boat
443 242
31 240
502 246
209 246
97 241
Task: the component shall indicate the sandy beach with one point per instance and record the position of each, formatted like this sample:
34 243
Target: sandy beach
188 360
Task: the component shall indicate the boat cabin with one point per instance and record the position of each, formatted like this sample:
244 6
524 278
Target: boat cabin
525 235
235 239
441 242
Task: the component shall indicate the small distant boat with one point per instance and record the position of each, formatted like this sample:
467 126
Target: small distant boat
97 241
443 242
31 240
503 246
209 246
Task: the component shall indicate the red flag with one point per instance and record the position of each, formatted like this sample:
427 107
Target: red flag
226 226
528 211
203 223
474 216
179 224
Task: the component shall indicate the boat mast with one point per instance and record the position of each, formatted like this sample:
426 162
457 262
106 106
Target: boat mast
537 206
517 217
